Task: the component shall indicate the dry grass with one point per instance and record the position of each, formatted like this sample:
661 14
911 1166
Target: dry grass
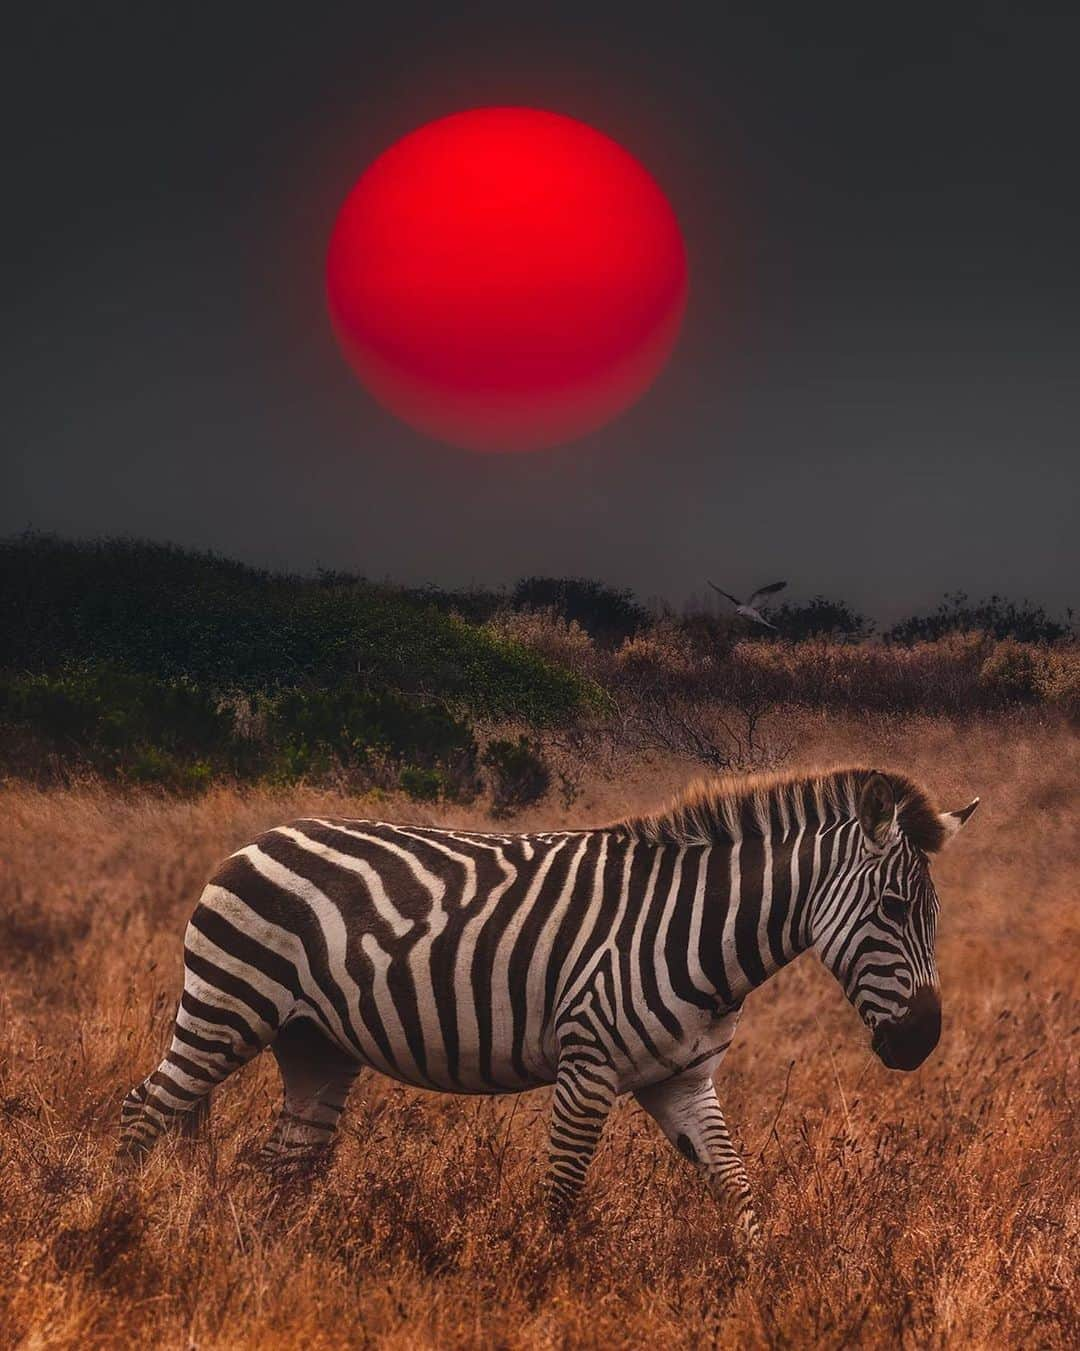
925 1210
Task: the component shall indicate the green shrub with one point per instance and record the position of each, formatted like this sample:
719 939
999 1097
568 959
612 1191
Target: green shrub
175 615
516 774
147 765
101 707
123 724
310 732
422 785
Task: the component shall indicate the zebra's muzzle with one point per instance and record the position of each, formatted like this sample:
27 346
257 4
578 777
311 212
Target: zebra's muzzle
905 1044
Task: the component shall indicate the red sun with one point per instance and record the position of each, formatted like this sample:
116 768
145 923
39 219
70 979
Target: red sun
506 279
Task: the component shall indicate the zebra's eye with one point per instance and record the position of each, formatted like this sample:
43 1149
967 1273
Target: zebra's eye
895 909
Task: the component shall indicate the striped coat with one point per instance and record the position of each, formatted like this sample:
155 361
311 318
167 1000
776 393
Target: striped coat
602 961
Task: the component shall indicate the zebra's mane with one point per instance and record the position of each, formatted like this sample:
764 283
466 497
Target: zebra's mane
726 808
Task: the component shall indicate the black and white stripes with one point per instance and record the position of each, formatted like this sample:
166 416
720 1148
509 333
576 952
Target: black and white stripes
603 961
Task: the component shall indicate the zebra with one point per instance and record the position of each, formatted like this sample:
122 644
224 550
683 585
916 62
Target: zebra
604 961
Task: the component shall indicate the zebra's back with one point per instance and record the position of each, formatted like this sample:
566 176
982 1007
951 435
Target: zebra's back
436 956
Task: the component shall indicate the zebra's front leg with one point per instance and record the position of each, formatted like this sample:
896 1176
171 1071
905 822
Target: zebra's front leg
584 1095
687 1111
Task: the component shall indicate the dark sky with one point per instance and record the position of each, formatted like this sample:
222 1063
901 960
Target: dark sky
876 391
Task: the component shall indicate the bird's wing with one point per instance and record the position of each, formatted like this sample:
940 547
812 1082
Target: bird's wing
765 591
730 597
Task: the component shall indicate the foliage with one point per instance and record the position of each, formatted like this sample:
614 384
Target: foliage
998 617
561 642
1012 673
127 725
819 618
708 637
674 695
425 785
172 614
605 613
137 729
477 604
516 773
348 728
148 663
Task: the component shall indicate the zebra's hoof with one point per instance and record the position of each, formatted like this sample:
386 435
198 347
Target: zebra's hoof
129 1159
289 1169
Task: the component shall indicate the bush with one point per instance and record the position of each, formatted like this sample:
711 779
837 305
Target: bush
1012 674
1060 680
999 618
671 653
149 765
866 676
707 636
476 604
428 750
517 774
560 642
423 785
122 724
819 618
605 613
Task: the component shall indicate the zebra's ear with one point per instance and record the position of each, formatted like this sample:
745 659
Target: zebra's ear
952 821
877 811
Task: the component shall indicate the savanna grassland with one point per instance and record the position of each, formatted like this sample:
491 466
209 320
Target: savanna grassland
936 1209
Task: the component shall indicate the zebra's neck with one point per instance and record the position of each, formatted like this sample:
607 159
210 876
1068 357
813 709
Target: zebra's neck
761 898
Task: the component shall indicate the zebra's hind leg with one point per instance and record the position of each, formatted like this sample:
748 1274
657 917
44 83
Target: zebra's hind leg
316 1076
208 1044
687 1111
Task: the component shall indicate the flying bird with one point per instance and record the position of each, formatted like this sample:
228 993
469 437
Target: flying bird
749 609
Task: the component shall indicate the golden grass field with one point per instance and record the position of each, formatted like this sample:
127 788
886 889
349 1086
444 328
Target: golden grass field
936 1209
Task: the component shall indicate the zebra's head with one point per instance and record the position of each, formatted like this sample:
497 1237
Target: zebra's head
880 938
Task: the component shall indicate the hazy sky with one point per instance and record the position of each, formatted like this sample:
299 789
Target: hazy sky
876 392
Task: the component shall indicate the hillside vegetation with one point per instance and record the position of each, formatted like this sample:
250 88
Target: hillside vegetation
153 664
148 664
